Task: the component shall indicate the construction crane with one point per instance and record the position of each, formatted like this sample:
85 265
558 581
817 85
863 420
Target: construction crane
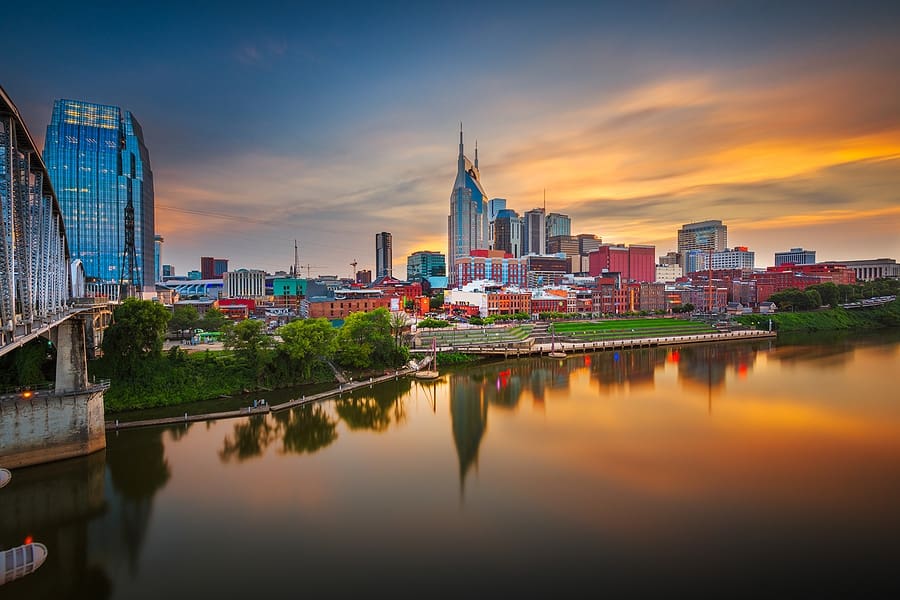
353 272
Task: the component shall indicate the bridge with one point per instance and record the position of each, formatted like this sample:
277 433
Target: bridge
38 282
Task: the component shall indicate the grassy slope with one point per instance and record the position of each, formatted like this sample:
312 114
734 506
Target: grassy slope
829 319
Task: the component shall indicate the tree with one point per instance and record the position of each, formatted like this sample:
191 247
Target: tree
398 324
184 317
247 340
436 302
137 331
213 320
828 293
366 340
307 340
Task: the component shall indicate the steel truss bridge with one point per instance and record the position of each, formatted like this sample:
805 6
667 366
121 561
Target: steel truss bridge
36 281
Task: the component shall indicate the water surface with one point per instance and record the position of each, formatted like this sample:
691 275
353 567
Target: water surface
728 469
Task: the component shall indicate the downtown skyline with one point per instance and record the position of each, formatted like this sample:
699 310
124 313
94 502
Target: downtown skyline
328 125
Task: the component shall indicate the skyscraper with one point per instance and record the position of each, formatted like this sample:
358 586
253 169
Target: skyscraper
467 225
384 260
558 224
100 168
424 264
157 257
508 232
711 236
534 232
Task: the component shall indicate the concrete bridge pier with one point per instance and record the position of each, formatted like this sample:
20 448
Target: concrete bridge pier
71 356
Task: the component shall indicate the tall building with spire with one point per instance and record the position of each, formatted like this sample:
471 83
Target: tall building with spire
469 219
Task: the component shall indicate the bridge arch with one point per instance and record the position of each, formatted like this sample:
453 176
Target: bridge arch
34 253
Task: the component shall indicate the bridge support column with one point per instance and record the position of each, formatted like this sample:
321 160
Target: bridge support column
71 356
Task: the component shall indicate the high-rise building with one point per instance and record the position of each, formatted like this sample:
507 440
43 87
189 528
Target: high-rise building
384 257
507 228
534 232
795 256
213 268
468 223
168 271
424 264
704 235
495 205
634 263
157 257
100 169
558 224
364 276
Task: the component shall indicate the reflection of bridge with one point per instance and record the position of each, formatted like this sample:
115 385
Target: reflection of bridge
37 284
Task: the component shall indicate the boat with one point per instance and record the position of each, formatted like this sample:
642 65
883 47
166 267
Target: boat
431 373
20 561
554 353
5 477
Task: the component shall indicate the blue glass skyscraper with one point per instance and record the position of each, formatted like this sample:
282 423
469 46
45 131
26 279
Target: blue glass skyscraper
469 219
97 161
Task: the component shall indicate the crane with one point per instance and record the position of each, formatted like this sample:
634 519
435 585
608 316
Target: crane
353 272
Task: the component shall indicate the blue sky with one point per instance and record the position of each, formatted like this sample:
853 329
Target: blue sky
330 122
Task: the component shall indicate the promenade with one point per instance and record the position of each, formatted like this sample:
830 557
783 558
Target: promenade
495 350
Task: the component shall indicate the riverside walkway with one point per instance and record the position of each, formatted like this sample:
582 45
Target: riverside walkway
117 425
507 351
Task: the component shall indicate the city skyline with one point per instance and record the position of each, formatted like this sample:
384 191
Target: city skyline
326 126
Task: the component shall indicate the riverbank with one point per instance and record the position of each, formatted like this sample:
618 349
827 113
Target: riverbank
831 319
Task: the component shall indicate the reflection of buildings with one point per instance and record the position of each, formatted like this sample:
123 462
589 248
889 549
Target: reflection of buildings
468 413
633 367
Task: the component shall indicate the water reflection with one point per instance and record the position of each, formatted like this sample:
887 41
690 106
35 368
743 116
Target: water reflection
376 409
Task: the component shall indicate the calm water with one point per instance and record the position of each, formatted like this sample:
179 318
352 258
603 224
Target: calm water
739 468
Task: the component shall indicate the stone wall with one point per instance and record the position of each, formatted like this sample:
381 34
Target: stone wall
48 427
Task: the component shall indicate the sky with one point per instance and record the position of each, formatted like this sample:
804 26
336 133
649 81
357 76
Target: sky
327 123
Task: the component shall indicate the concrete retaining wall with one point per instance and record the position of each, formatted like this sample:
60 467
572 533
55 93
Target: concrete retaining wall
50 427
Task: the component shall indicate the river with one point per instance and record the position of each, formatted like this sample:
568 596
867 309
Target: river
739 468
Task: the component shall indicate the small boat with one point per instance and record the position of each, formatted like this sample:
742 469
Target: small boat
554 353
5 477
20 561
431 373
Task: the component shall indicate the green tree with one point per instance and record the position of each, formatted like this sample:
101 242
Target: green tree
306 341
247 339
366 340
184 317
398 322
213 320
436 302
828 293
137 332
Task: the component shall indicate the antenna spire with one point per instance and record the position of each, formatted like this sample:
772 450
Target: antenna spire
476 153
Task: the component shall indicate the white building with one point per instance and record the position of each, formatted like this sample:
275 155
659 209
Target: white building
668 273
244 283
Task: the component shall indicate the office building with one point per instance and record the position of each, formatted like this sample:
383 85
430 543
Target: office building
635 263
100 169
703 235
534 232
558 224
168 271
424 264
736 258
795 256
468 223
213 268
244 283
869 270
507 228
384 257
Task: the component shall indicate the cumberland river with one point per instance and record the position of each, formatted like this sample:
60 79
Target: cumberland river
736 468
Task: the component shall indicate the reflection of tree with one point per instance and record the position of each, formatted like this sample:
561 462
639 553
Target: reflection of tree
305 429
138 469
369 412
250 438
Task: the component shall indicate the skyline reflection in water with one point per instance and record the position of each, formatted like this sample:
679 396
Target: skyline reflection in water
742 464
